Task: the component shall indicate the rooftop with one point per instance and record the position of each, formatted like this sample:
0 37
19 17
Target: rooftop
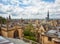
4 40
54 33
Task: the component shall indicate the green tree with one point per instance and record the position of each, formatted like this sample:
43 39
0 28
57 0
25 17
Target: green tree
28 34
2 20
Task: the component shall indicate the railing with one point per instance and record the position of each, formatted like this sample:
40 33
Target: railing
30 41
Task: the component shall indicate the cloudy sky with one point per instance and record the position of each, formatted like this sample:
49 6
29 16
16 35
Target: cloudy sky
29 8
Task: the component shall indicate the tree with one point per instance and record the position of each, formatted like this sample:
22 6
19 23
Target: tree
2 20
28 34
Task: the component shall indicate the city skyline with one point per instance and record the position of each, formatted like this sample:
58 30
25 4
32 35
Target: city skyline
28 9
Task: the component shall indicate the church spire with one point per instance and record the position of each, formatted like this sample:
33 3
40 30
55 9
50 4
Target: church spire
9 17
48 15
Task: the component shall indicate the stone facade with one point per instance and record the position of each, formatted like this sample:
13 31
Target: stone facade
50 37
12 32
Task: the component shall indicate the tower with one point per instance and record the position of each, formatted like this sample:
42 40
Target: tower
9 17
7 23
47 16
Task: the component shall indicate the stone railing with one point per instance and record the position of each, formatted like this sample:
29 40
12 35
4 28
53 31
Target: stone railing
30 41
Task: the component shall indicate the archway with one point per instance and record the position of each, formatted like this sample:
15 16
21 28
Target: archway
16 34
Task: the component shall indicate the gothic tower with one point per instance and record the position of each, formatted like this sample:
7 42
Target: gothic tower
47 16
9 17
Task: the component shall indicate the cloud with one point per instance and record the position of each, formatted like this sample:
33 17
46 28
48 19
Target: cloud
29 8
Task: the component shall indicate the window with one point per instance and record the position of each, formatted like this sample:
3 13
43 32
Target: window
49 38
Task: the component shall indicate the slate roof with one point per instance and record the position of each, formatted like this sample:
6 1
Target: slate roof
4 41
53 34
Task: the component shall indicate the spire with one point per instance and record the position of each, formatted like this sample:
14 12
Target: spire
7 23
47 16
9 17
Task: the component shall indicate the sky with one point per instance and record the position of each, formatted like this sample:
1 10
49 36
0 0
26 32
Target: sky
30 9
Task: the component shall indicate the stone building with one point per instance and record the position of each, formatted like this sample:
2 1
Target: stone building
12 32
11 29
51 36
